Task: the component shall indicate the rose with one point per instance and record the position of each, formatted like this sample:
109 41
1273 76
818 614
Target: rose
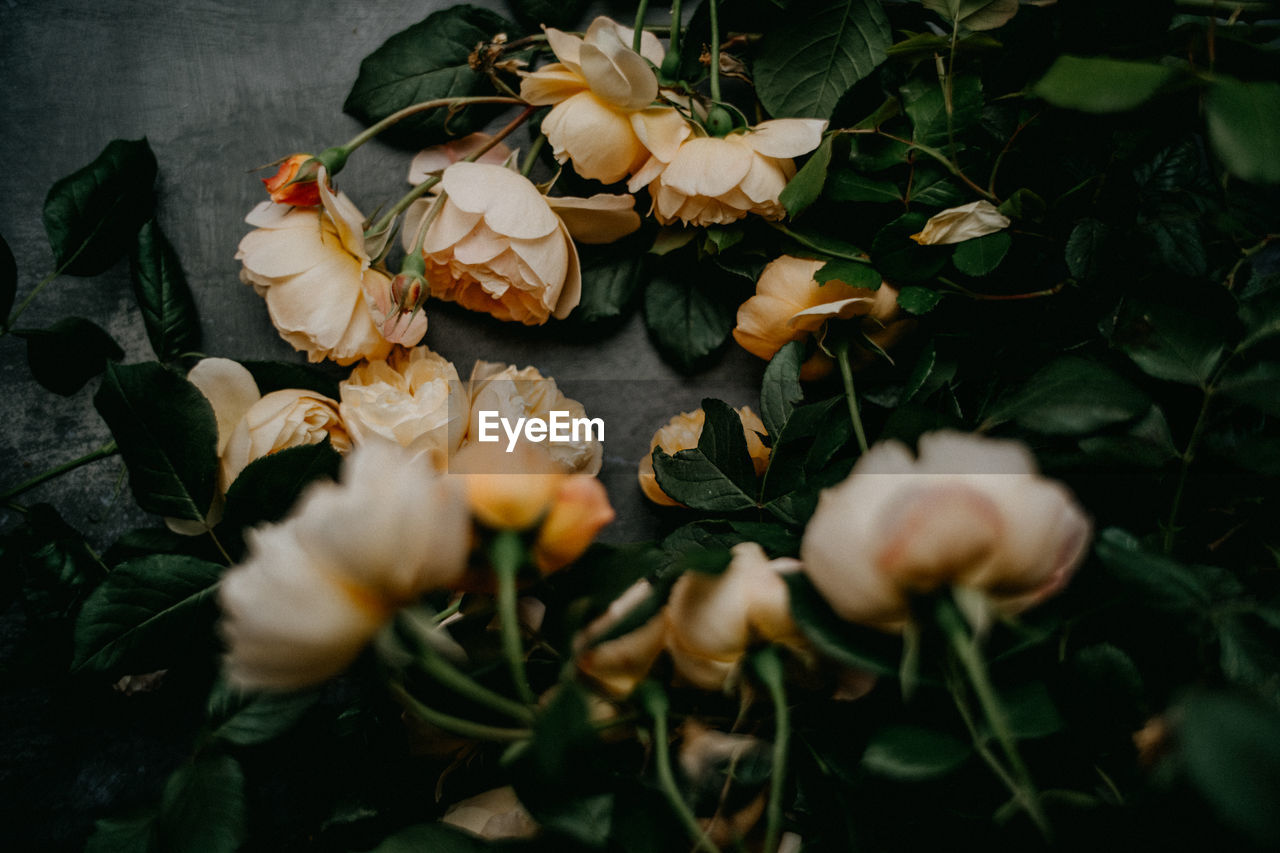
578 512
313 268
317 587
295 182
682 433
619 664
493 814
969 513
496 245
413 399
713 619
717 180
957 224
789 305
602 118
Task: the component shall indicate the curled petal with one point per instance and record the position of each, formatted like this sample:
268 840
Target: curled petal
602 218
786 137
616 73
957 224
510 203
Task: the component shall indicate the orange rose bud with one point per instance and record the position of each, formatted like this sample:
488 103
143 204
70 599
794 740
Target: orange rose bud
580 510
295 182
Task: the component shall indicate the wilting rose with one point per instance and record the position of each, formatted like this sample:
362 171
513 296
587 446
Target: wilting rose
293 184
619 664
496 245
494 815
413 399
526 393
957 224
713 619
789 304
718 180
578 512
970 513
604 119
313 268
682 433
317 587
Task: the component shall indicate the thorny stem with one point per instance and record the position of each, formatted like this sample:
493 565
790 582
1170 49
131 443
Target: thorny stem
507 553
108 449
457 725
850 394
413 109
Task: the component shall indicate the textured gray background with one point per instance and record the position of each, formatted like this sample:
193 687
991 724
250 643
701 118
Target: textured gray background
219 88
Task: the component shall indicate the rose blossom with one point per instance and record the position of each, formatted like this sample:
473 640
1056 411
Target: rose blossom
619 664
603 118
318 586
285 186
957 224
969 512
682 433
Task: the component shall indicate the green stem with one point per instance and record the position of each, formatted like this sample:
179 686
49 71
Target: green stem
108 449
13 318
413 109
948 91
457 725
966 653
641 10
850 395
715 49
532 157
768 666
674 46
459 682
218 544
1170 529
810 244
945 161
507 553
656 705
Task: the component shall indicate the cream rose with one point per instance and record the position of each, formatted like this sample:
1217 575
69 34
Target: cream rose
718 180
713 619
317 587
413 399
969 512
313 268
602 93
957 224
682 433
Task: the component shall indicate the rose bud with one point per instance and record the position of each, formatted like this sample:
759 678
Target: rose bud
295 181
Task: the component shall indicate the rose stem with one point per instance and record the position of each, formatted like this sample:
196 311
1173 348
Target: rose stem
850 395
715 50
535 148
108 449
768 666
506 552
655 703
459 682
374 129
641 9
457 725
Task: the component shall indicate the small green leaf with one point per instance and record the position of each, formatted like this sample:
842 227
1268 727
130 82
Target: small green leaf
145 614
918 300
247 717
1169 343
160 286
689 315
806 186
92 214
1072 396
167 436
1256 385
123 835
848 185
934 188
1244 129
8 280
852 273
899 258
425 62
57 568
1030 710
975 14
805 66
926 106
68 354
780 389
1097 84
913 754
718 475
1085 246
202 809
981 255
611 283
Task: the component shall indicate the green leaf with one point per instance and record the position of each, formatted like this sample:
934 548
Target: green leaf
246 717
913 754
1030 710
436 837
931 371
8 280
425 62
918 300
167 436
899 258
1243 127
975 14
268 487
1147 443
780 389
1256 385
202 809
981 255
1096 84
934 188
168 309
803 67
276 375
1179 245
92 214
1249 646
926 106
806 186
1072 396
848 185
562 14
57 567
718 475
68 354
852 273
611 283
688 314
1160 583
1084 252
145 613
1169 343
843 642
123 835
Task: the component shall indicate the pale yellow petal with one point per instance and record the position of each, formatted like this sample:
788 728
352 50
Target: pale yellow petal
616 73
511 204
602 218
598 139
551 84
660 130
786 137
229 388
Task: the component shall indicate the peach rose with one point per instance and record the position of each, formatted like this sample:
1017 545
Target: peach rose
293 184
602 93
970 513
579 511
718 180
682 433
318 586
617 666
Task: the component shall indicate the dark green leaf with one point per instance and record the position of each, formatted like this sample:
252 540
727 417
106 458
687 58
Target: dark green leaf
58 568
721 238
1256 385
1249 647
934 188
202 809
276 375
852 645
926 106
92 214
912 754
1169 343
562 14
780 389
687 319
268 487
805 66
146 613
167 436
68 354
8 280
899 258
848 185
123 835
1023 204
1158 582
975 14
422 63
805 188
852 273
1244 129
1085 247
168 309
1030 710
982 255
1096 84
435 837
932 370
1072 396
244 718
1178 242
918 300
1147 443
611 283
718 475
